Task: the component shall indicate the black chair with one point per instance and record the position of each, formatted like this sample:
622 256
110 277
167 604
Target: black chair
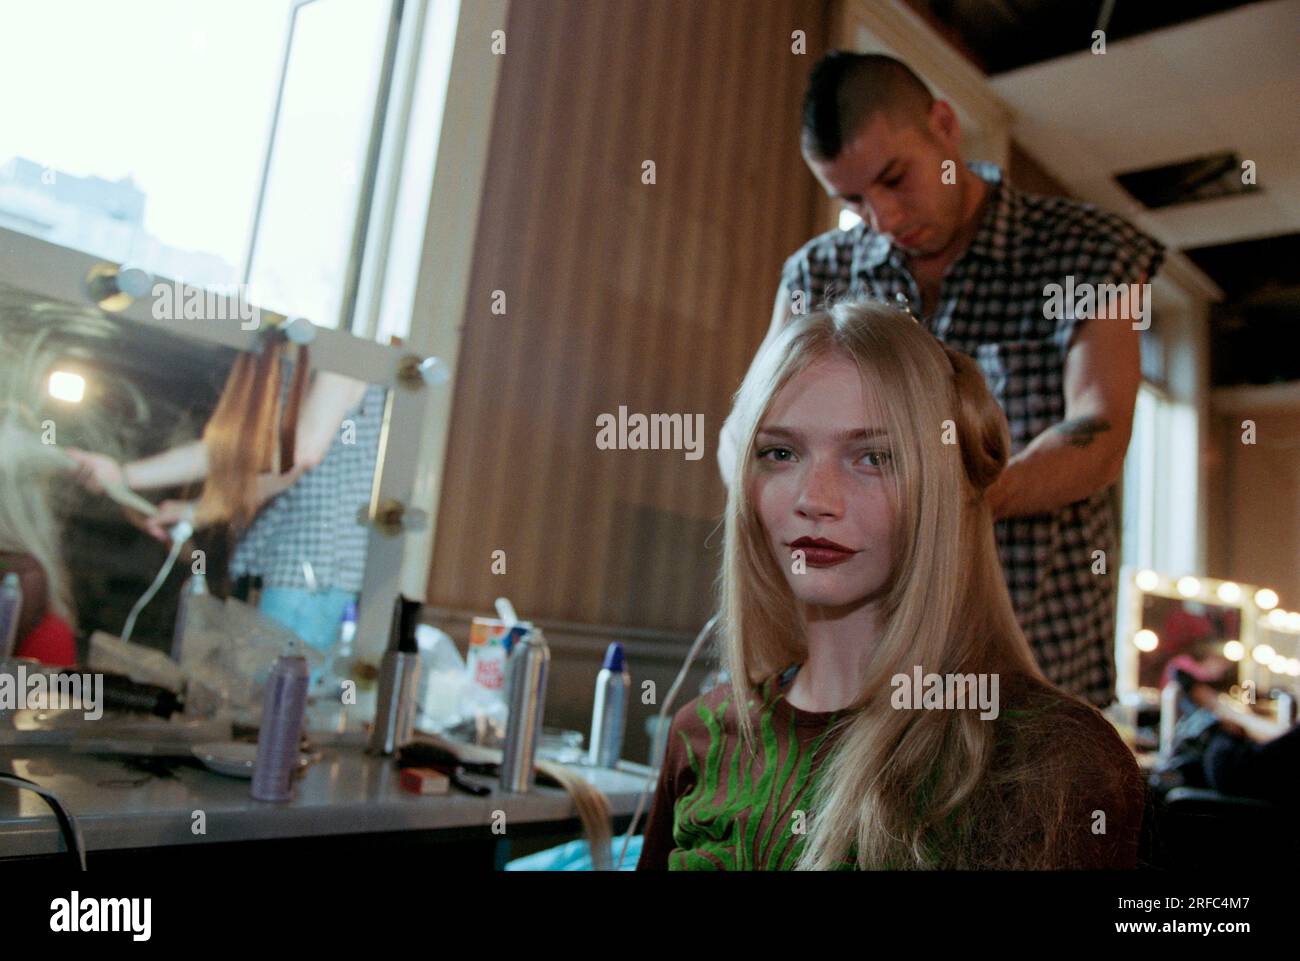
1193 828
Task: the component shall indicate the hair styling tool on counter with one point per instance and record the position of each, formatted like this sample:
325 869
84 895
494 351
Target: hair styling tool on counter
399 677
123 694
281 731
661 731
525 686
609 714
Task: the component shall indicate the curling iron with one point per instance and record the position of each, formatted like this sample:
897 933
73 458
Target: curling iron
118 492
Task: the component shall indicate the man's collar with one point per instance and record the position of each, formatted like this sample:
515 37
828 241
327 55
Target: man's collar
992 240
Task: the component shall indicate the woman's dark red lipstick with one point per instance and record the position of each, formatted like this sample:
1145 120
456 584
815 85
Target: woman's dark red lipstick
820 552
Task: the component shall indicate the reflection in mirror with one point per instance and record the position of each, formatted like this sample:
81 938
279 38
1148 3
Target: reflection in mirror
1180 626
272 467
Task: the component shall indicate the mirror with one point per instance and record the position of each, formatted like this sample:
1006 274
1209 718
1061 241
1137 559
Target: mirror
75 377
1163 617
1191 628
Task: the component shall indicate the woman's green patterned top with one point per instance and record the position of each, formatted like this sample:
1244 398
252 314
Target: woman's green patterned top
714 811
719 807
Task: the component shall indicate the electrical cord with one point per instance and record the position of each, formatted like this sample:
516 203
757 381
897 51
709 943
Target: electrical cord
180 533
660 733
68 826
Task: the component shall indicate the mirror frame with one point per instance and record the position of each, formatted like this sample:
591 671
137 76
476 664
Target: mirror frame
51 272
1136 583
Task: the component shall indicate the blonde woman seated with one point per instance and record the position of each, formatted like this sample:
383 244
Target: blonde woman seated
893 717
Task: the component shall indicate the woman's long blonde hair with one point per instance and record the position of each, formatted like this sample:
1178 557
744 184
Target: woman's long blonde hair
901 788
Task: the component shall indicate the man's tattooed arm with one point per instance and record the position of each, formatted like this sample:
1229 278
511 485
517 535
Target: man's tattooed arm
1080 431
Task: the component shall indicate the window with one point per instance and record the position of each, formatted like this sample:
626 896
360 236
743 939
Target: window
305 248
1160 485
214 142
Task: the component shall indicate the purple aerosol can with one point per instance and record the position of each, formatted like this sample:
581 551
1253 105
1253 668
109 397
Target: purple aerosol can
281 731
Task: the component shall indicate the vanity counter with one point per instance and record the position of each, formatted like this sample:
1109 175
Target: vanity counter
345 793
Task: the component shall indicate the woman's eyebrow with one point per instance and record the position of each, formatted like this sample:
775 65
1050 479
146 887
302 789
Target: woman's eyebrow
858 433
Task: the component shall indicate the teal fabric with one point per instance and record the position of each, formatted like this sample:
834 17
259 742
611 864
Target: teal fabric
313 616
576 856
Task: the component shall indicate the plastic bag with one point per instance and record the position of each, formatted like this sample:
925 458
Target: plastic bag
443 680
227 653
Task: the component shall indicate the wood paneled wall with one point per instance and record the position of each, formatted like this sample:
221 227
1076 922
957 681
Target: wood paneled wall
1254 500
618 292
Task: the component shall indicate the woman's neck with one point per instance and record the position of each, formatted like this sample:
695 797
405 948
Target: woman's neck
840 643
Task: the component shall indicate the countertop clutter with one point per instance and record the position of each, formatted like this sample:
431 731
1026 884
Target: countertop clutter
345 792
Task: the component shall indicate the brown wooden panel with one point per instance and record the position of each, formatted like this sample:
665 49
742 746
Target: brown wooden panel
1254 502
619 293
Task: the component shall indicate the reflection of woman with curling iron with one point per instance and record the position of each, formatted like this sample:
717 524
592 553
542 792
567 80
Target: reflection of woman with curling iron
288 459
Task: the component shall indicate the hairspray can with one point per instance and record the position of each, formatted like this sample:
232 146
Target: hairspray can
281 731
11 609
399 677
609 715
526 671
